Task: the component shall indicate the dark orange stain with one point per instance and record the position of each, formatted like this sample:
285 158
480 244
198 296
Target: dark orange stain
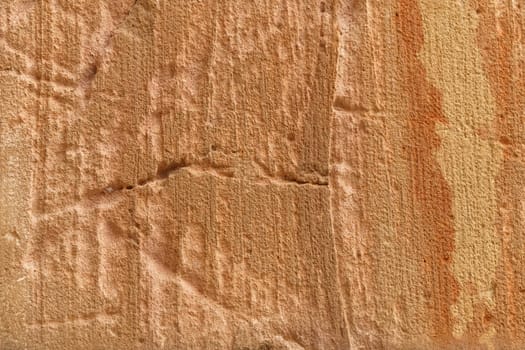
432 192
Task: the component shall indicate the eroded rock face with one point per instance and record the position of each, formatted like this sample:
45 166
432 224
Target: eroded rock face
205 174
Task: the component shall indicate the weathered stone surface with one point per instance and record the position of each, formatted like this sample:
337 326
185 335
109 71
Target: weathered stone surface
207 174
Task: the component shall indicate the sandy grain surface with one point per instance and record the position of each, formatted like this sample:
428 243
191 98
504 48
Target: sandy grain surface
263 174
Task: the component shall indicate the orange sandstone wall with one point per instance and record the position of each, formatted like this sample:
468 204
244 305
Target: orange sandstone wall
205 174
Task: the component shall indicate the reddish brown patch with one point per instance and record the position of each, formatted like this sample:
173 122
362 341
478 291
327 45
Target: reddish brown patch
435 233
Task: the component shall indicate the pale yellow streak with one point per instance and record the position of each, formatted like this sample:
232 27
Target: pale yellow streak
469 162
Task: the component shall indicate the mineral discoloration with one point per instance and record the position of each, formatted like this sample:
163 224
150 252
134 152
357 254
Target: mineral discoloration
419 157
261 175
468 156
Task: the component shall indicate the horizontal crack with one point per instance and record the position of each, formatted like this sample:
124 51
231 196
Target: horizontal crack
322 181
345 104
110 194
162 174
165 172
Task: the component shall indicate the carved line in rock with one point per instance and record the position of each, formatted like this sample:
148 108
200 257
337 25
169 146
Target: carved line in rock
108 195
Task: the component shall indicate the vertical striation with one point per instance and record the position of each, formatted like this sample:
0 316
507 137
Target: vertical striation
205 174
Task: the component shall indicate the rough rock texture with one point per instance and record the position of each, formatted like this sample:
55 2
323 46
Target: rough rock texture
263 174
